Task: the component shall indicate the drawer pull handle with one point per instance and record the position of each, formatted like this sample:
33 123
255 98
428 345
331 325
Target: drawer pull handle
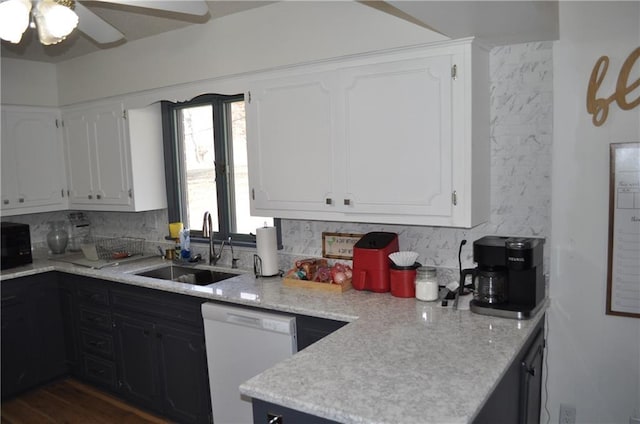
96 372
97 344
95 319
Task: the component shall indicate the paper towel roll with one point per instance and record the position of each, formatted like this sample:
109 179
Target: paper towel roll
267 246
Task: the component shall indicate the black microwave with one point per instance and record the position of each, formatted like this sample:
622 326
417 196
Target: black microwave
16 245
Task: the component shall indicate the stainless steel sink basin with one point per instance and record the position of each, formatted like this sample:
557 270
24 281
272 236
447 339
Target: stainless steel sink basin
185 274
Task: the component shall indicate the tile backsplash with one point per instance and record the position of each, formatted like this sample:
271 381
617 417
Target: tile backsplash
521 110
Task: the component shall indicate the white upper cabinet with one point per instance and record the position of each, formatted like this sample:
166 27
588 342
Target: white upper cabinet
396 137
33 178
290 123
97 157
103 142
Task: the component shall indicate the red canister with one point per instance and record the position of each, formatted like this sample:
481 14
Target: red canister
403 280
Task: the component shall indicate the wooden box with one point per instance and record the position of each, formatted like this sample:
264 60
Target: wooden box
337 288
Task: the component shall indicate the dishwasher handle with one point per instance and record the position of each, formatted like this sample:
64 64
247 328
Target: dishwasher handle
244 320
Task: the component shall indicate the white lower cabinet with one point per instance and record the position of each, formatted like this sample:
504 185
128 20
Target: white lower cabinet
33 178
398 137
115 160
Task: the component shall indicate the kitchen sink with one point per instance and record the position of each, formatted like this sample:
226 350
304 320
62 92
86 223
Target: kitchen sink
185 274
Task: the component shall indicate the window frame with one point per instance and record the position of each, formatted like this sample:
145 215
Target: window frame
176 195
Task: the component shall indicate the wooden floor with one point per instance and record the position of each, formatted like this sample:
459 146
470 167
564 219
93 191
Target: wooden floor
69 401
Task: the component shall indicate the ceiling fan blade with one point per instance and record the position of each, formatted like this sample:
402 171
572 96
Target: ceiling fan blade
96 27
190 7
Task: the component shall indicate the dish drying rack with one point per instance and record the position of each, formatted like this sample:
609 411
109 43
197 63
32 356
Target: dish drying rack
111 248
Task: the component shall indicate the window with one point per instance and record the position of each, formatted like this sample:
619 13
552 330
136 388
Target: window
206 140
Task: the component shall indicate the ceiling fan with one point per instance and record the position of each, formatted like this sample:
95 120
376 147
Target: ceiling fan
55 19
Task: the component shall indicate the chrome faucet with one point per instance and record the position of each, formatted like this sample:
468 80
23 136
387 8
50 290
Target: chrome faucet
207 231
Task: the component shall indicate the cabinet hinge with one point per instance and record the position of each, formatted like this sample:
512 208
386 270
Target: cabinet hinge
253 194
454 198
248 96
124 114
454 72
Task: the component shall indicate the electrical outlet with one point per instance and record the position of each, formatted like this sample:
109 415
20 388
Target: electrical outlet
567 414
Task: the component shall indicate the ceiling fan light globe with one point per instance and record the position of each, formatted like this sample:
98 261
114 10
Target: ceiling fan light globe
14 19
57 21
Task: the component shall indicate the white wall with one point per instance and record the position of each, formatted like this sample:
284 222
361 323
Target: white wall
269 36
28 83
594 359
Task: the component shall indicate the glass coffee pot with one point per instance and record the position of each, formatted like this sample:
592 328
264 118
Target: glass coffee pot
489 283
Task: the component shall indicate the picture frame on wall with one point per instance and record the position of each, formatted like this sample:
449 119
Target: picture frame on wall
339 245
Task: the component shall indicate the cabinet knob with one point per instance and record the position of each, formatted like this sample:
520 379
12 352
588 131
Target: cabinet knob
529 370
5 202
90 197
98 196
347 202
274 418
328 201
21 200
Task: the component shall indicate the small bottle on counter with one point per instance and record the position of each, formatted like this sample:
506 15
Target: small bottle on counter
427 284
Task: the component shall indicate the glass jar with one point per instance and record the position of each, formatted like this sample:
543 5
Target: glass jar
80 231
57 237
427 284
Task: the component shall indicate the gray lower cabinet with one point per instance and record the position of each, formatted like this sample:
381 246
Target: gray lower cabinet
312 329
516 398
143 345
33 349
160 351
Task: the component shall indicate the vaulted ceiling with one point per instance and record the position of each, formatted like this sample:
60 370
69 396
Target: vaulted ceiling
496 22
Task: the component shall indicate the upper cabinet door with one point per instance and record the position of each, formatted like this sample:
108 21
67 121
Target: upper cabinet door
396 137
32 161
290 133
77 130
97 157
111 165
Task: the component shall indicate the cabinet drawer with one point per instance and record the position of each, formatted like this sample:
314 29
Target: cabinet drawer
93 295
171 306
95 318
97 343
99 371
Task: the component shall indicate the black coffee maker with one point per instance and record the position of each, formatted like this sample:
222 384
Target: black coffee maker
509 280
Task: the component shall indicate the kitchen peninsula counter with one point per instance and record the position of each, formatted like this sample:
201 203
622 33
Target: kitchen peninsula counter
398 361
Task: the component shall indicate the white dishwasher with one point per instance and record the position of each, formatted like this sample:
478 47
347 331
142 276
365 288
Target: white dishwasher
241 343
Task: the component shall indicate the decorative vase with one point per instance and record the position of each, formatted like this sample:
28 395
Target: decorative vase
57 237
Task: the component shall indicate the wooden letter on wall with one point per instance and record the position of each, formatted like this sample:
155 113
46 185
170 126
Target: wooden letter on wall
599 107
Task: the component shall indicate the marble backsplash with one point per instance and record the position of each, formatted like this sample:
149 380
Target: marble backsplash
521 113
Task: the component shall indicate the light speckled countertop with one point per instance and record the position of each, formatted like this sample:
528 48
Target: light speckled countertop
398 361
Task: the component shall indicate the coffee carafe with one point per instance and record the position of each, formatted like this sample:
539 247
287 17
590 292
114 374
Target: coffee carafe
508 280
